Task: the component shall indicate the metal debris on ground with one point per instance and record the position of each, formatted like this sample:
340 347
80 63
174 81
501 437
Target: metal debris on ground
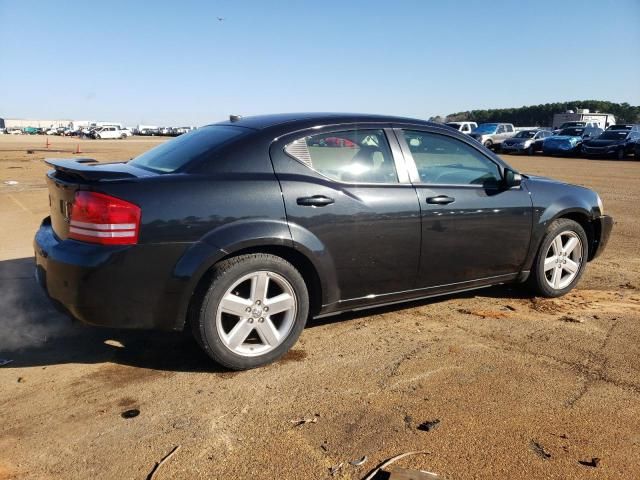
429 425
301 421
4 361
408 474
10 182
358 462
570 319
336 468
165 459
539 449
132 413
386 463
593 463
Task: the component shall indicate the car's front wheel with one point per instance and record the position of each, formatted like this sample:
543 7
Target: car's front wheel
254 311
561 258
620 154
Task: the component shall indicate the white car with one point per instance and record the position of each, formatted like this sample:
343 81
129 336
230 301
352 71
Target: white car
111 132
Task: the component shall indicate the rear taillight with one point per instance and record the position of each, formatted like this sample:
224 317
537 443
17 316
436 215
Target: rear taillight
100 218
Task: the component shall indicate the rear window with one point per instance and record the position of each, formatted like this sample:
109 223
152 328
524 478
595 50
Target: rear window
192 146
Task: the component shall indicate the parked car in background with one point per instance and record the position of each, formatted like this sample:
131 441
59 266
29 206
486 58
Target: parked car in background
625 126
576 124
526 141
615 142
569 140
242 230
464 127
491 135
15 131
595 119
110 132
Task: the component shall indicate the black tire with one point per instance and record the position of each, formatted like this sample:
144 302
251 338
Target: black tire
123 136
620 154
530 151
537 279
225 274
488 144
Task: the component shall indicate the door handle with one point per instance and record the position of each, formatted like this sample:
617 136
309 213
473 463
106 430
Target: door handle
315 201
440 200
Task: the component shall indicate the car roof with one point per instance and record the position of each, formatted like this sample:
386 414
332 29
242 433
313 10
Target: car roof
260 122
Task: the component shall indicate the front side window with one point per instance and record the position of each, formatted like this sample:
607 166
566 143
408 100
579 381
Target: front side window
350 156
443 160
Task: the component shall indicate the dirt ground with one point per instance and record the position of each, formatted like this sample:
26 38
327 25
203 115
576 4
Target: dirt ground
522 387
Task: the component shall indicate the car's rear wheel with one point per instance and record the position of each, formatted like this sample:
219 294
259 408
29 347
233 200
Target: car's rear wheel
561 258
620 154
488 144
254 311
123 136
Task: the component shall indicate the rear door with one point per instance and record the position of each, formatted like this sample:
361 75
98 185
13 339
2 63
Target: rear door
346 189
473 229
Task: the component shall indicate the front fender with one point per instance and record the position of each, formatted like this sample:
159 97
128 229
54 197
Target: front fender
552 200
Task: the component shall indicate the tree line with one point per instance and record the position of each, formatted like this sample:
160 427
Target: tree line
542 115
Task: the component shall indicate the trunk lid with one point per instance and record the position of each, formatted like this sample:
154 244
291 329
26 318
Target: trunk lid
71 175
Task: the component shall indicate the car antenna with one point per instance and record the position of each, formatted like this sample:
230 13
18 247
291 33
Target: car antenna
235 118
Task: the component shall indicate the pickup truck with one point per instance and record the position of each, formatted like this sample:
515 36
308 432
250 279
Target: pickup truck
110 132
491 135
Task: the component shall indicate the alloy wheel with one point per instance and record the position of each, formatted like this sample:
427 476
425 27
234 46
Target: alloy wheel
563 260
256 314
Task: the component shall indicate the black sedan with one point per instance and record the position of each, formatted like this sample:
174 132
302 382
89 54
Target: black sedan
617 143
243 230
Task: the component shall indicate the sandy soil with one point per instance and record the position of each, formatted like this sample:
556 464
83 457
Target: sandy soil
523 387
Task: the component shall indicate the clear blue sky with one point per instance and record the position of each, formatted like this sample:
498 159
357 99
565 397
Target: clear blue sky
174 63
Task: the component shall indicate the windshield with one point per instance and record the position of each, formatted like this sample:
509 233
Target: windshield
174 154
614 135
486 128
572 132
526 134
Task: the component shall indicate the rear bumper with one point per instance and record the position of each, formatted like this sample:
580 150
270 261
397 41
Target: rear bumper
110 286
603 227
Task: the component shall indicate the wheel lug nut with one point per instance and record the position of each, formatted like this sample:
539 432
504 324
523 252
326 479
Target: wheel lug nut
251 320
248 309
266 309
260 320
258 302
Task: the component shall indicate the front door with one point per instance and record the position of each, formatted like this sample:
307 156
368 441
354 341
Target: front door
346 190
472 227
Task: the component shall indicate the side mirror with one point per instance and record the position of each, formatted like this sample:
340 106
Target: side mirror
511 178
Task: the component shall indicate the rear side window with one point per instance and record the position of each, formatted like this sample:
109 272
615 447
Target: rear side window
443 160
193 146
350 156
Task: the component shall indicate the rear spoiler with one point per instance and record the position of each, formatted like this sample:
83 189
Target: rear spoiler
90 169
